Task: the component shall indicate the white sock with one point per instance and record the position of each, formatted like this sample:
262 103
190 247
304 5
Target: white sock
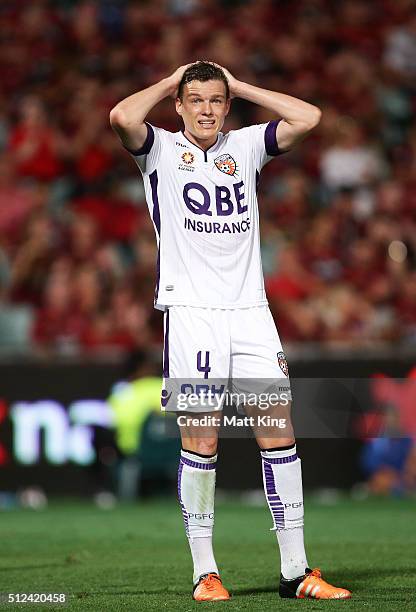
196 491
282 478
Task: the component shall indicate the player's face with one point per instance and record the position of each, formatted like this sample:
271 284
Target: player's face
203 108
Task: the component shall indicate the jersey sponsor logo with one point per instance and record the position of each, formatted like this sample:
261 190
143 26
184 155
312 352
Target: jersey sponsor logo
188 158
180 144
187 162
227 202
283 363
198 200
226 164
207 227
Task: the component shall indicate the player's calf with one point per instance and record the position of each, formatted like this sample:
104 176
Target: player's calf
196 491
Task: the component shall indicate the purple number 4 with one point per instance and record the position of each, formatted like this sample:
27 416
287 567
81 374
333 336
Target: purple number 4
203 367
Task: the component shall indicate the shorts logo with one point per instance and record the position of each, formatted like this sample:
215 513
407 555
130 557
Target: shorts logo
227 164
283 363
188 158
165 397
200 516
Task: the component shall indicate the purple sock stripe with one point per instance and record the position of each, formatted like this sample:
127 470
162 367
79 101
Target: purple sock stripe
182 505
273 498
278 518
196 464
278 460
269 479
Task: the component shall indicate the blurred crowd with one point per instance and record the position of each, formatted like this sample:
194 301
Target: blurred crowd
77 249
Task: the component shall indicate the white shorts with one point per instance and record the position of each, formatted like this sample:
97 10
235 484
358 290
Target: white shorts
208 347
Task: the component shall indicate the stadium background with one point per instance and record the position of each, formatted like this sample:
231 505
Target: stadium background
77 263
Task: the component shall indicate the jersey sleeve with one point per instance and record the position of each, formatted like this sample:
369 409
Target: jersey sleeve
263 142
147 157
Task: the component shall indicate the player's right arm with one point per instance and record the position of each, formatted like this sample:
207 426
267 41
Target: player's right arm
127 118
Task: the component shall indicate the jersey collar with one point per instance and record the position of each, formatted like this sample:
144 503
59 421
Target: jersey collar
211 149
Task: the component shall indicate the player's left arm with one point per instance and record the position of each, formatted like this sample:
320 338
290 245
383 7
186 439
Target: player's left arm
298 117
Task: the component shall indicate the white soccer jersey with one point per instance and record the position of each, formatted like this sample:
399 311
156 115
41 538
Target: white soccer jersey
205 213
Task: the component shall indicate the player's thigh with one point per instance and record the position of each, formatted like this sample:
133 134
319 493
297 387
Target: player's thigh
196 357
256 349
260 377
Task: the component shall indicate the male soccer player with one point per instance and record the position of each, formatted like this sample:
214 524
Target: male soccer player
201 191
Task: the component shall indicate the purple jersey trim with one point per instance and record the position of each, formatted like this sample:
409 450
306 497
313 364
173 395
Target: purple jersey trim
166 347
153 178
269 479
281 459
147 145
270 141
257 180
196 464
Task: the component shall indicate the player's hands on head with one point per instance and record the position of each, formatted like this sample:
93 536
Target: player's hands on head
232 81
175 78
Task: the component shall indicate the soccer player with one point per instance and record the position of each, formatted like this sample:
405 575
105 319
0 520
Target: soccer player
201 189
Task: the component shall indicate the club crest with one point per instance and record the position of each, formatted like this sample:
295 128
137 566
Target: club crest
283 363
227 164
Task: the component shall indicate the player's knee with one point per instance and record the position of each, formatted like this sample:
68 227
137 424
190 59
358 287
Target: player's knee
207 447
204 446
275 443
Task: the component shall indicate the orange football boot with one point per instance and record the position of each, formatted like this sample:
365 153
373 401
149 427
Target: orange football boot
311 585
209 588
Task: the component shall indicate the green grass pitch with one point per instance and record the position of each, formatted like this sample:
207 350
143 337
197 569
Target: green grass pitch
137 558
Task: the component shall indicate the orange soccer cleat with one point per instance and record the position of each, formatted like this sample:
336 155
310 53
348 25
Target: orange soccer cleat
311 585
209 588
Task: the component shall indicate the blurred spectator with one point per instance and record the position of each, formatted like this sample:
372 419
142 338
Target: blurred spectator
400 52
33 257
388 458
320 248
406 307
146 439
390 465
57 325
124 324
35 145
364 264
292 280
16 200
350 162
